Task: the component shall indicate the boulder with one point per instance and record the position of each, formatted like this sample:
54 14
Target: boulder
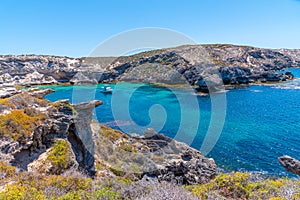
290 164
289 75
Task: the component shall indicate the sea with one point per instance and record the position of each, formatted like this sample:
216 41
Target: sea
244 129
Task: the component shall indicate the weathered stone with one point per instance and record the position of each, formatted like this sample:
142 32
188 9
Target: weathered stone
40 93
183 164
62 121
82 78
185 64
153 155
290 164
8 92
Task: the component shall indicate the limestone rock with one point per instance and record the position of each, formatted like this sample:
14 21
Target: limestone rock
40 93
186 64
153 155
60 120
83 79
290 164
56 160
8 92
181 164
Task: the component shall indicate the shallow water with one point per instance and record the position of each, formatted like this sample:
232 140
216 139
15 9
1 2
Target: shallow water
261 124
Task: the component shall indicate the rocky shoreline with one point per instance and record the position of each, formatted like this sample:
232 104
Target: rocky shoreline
88 143
201 66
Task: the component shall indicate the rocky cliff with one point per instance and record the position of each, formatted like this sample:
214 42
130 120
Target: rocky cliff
194 65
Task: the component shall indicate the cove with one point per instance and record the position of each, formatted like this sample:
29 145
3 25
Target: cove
261 124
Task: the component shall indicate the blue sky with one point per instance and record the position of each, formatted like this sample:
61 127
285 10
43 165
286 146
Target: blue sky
74 28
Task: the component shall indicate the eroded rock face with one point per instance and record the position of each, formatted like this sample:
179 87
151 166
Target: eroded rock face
153 155
181 164
8 92
57 121
185 65
234 64
35 67
290 164
40 93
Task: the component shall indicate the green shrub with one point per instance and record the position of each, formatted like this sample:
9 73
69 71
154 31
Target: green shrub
54 186
17 125
107 193
239 186
111 134
17 192
6 170
127 146
71 196
60 155
62 104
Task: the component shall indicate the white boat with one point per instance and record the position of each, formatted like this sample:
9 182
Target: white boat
107 89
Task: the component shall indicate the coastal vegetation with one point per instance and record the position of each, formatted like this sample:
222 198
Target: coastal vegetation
75 185
18 125
19 118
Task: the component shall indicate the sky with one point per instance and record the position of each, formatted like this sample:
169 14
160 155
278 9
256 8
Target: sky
74 28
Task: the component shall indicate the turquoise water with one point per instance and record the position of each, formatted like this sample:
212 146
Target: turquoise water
261 124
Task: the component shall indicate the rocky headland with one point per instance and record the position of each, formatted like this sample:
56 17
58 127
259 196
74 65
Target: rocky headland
198 65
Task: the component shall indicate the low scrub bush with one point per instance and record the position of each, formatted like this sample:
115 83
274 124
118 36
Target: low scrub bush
17 125
241 186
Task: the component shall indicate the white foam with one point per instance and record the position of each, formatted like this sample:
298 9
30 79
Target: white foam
256 90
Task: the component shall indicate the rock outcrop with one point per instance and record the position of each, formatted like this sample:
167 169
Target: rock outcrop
44 123
40 93
193 65
199 65
181 163
61 69
152 155
8 92
290 164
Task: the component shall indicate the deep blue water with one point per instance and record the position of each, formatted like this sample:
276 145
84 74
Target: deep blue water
261 124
